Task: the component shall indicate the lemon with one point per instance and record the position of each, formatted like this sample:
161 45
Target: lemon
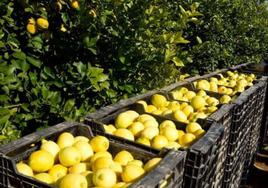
102 162
99 143
144 117
183 90
65 140
104 177
41 161
73 181
123 157
183 105
79 168
157 112
201 93
211 101
143 103
176 94
44 177
144 141
124 133
180 116
225 99
120 185
109 128
166 112
187 110
198 102
170 133
213 79
167 123
159 100
173 145
80 138
150 108
100 154
222 90
31 28
211 109
75 4
192 127
133 114
150 132
50 147
174 105
150 123
85 150
42 23
24 169
187 139
89 176
136 128
69 156
123 120
199 133
213 86
203 84
132 173
190 94
159 142
136 162
180 133
116 167
152 164
57 172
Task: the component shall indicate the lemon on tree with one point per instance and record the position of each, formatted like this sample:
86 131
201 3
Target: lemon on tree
69 156
73 181
41 161
99 143
104 177
24 169
42 23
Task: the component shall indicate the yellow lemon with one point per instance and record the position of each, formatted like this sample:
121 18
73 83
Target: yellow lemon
150 108
80 138
159 142
31 28
152 164
198 102
150 132
123 157
144 141
109 128
73 181
190 94
24 169
50 147
136 162
104 177
225 99
99 143
102 162
187 110
143 103
136 128
124 133
133 114
180 133
167 123
144 117
100 154
57 172
69 156
89 176
170 133
173 145
187 139
117 168
180 116
150 123
65 140
120 185
85 149
123 120
44 177
75 4
199 133
79 168
42 23
192 127
132 173
159 100
41 161
201 93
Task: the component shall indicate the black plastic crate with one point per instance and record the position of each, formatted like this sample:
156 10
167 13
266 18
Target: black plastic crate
170 168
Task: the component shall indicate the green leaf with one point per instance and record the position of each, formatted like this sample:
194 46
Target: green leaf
178 62
34 62
19 55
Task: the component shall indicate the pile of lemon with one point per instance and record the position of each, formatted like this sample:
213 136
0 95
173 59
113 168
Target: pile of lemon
146 130
77 162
